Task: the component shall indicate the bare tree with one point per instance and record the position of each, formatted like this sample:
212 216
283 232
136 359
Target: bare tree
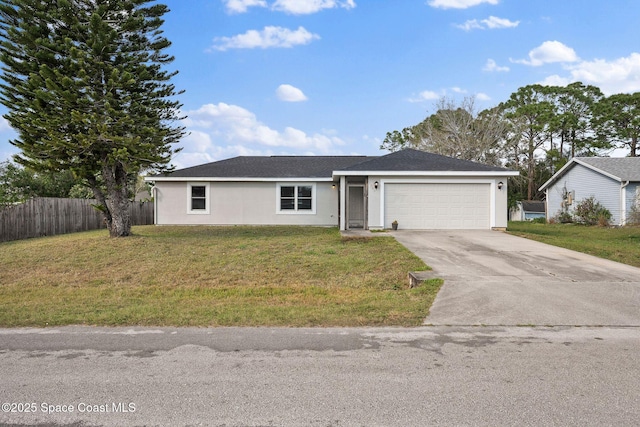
455 130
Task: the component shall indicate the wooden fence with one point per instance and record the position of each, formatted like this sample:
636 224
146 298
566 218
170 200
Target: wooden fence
48 216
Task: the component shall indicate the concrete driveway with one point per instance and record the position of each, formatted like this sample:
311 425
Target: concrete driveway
493 278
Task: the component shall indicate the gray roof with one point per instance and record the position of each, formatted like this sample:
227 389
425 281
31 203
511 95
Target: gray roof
414 160
323 166
270 167
624 168
619 168
533 206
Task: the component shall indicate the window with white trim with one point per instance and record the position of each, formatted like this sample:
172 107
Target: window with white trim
198 198
296 198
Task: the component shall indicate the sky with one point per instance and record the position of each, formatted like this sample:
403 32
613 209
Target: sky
332 77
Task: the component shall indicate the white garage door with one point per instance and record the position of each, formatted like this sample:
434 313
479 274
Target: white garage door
437 206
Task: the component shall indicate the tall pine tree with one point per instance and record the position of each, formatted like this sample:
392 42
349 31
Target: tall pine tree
86 89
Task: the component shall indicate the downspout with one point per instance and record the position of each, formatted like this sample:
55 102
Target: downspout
154 193
365 195
623 203
343 191
546 204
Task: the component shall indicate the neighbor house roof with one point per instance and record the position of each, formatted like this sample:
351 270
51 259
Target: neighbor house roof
623 168
619 168
327 167
533 206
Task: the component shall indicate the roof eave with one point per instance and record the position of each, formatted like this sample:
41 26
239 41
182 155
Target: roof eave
235 179
507 173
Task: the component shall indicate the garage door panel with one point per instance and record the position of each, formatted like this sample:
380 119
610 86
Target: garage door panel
437 206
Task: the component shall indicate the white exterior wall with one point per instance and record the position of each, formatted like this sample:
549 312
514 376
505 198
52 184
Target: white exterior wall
235 203
375 221
516 213
498 202
586 183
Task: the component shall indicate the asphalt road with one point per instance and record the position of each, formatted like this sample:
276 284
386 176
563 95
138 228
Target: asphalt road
438 375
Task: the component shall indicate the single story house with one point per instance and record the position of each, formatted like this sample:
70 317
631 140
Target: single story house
526 210
613 181
419 190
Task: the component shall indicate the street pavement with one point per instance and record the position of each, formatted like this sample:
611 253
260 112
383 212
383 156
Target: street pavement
461 376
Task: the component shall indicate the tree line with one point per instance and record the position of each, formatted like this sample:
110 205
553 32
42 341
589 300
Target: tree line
19 184
536 131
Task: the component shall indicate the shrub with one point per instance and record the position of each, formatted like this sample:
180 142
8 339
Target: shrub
603 221
563 218
590 212
539 220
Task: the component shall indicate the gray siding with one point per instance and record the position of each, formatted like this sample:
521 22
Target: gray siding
586 183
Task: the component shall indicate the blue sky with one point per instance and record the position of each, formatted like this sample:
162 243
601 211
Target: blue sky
266 77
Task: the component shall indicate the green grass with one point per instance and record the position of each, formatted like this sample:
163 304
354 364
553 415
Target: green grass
211 276
617 244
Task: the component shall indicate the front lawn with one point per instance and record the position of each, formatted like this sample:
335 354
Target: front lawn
617 244
211 276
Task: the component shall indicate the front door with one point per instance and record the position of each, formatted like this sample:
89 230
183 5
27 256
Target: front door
355 207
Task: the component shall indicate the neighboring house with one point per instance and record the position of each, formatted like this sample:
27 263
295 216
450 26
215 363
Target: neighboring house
420 190
526 210
613 182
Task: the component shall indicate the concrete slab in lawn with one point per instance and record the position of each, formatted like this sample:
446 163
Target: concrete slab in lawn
493 278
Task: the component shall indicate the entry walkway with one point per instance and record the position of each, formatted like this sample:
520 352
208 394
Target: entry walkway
359 232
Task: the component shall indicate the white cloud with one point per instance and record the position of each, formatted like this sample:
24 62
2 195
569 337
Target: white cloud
196 149
290 93
549 52
6 132
494 22
305 7
223 130
491 23
620 75
293 7
4 124
241 6
491 66
427 95
269 37
190 157
198 141
471 24
555 80
459 4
